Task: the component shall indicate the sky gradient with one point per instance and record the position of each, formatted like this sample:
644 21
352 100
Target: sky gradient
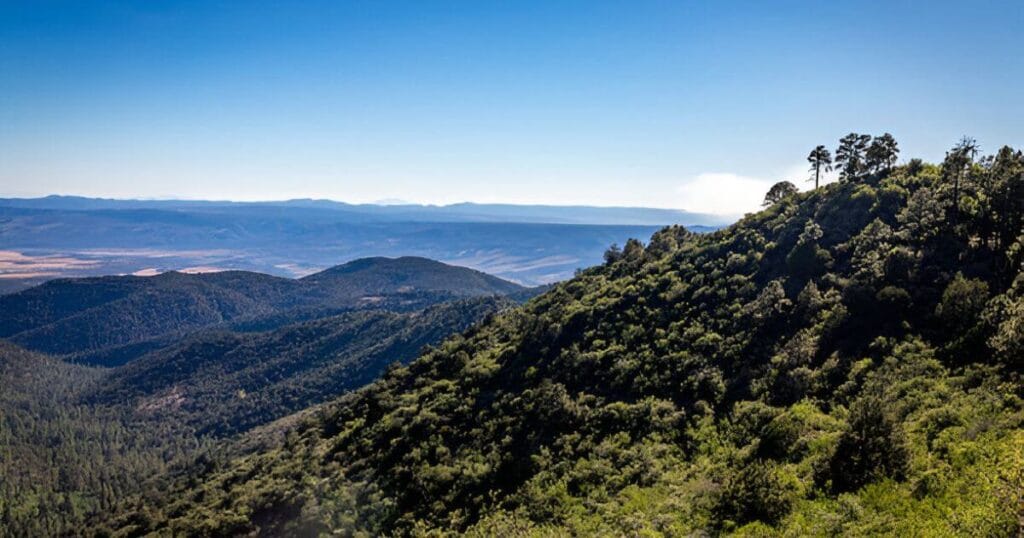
685 105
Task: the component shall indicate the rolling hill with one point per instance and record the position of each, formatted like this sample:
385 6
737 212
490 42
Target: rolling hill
387 276
111 320
221 382
75 439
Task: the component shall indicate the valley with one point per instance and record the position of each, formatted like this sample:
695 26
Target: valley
119 381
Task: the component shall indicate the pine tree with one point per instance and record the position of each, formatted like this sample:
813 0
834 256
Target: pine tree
850 156
820 160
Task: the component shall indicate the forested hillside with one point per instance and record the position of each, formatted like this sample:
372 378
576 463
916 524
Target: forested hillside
223 382
75 441
62 461
111 320
845 362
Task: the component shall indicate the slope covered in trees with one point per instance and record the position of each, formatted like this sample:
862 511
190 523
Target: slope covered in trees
845 362
62 461
76 440
111 320
222 382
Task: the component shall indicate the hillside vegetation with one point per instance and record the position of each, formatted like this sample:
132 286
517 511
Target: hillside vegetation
222 382
845 362
75 441
62 461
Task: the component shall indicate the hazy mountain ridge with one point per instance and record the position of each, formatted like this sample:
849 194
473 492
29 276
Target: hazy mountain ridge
464 211
52 237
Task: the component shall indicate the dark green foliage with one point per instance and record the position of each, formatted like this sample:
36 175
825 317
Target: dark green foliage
757 492
387 276
61 462
613 254
222 382
850 156
960 313
111 320
76 442
881 153
808 259
872 448
1007 316
779 192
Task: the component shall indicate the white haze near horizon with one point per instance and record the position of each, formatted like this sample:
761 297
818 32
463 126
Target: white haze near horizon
723 194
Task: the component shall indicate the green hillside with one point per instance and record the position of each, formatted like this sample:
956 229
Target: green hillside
75 440
62 461
845 362
198 362
222 382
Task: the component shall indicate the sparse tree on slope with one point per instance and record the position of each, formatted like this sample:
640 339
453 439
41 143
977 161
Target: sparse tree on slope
872 448
881 154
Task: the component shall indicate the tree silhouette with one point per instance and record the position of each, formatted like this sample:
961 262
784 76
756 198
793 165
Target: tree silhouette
778 191
957 161
850 158
881 154
820 159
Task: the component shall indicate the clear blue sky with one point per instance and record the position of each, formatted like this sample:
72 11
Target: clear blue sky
668 104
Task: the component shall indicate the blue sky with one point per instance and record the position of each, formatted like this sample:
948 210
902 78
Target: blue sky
668 104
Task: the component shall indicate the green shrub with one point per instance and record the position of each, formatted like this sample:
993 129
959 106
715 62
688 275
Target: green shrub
873 447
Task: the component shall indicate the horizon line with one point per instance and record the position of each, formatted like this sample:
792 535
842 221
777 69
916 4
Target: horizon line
376 203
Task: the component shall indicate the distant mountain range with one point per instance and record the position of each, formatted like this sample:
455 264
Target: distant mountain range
397 210
64 236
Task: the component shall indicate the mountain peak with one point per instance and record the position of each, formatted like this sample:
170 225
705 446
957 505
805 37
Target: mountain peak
407 273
